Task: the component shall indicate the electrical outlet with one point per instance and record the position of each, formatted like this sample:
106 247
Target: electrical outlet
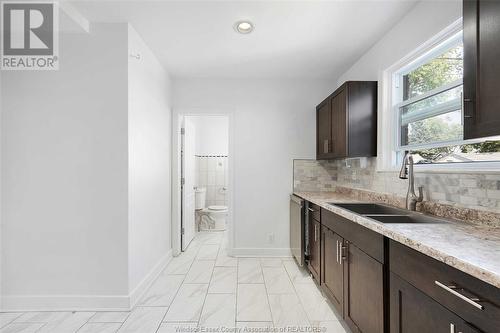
270 237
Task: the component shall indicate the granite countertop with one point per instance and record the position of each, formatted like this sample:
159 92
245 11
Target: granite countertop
473 249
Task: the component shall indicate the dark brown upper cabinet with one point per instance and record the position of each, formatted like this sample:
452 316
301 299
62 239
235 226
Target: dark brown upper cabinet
481 19
346 122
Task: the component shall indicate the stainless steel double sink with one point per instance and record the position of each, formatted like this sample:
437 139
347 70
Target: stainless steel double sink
387 214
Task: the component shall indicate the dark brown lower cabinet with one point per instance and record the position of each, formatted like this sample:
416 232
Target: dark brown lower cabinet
353 272
363 291
332 279
314 263
411 311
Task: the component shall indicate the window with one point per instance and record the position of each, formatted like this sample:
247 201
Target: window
427 105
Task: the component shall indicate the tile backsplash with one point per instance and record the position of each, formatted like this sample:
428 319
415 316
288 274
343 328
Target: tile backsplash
471 190
212 174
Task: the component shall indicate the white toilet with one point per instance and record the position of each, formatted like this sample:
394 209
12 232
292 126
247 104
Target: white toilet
211 218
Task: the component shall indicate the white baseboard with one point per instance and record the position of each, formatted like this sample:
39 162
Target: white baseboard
85 302
144 285
260 252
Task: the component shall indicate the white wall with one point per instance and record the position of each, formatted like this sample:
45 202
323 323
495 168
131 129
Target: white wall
64 175
212 134
424 21
85 175
273 123
149 136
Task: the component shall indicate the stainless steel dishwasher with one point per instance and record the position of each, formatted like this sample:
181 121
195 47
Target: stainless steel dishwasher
297 228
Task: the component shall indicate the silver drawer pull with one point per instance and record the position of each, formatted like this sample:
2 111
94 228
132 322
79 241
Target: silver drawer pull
337 251
452 290
311 210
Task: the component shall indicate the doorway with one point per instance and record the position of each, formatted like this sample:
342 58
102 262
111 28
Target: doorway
205 178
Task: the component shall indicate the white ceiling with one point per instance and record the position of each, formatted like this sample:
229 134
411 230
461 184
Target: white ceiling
292 39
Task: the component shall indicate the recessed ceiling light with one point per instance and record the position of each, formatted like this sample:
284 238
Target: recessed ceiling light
243 27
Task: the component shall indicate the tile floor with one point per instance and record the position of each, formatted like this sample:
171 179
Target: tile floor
204 288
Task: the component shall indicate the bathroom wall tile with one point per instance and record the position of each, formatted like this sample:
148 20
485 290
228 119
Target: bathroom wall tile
212 164
211 178
203 164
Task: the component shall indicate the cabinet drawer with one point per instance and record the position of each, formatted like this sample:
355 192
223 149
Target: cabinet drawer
314 211
473 300
369 241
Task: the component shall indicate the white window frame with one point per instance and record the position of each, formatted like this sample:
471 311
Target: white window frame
389 143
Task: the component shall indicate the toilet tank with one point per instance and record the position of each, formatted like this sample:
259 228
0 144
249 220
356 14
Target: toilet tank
199 197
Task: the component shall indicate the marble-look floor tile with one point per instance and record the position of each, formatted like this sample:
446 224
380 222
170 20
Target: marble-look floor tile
332 327
8 317
177 327
224 280
100 328
200 272
179 264
144 320
277 280
22 328
315 305
271 262
213 238
287 311
110 317
223 259
57 322
252 304
188 303
255 326
163 291
249 271
219 310
297 275
208 252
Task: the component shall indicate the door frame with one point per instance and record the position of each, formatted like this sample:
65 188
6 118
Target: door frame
178 117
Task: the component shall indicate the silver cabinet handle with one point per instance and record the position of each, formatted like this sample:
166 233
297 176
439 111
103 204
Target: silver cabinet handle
326 146
342 248
315 232
311 210
453 290
337 251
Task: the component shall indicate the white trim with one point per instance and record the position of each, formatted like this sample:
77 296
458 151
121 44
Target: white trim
388 140
262 252
136 294
466 167
23 303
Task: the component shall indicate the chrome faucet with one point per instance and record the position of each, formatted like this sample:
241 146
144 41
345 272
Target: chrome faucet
407 173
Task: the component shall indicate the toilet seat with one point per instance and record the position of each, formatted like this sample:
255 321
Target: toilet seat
217 208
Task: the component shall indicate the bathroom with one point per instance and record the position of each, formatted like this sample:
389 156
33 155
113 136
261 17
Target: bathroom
206 149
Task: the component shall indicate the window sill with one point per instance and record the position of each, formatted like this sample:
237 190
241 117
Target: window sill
462 168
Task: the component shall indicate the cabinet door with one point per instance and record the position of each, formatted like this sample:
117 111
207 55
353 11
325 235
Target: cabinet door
411 311
481 68
323 130
339 124
363 291
314 248
332 280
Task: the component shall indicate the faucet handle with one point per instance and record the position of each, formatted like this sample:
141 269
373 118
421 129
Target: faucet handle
420 194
